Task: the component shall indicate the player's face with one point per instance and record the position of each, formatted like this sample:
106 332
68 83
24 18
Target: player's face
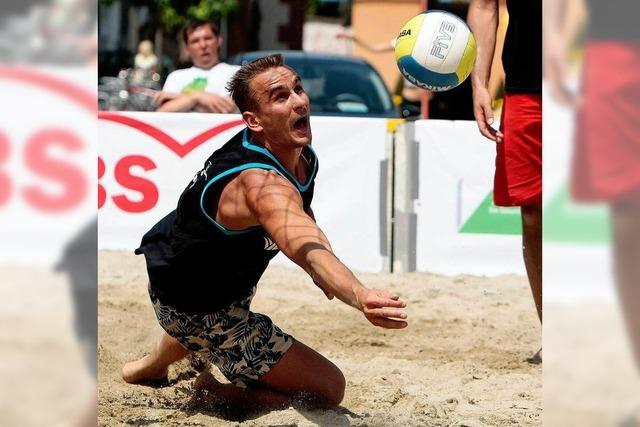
202 46
283 107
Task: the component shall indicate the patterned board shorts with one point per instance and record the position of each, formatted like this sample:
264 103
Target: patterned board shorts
242 344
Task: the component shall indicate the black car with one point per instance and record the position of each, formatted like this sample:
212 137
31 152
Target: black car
336 85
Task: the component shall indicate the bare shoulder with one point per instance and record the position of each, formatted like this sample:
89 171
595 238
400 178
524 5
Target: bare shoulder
263 179
261 186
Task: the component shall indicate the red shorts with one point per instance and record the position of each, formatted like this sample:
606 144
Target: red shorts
518 179
606 163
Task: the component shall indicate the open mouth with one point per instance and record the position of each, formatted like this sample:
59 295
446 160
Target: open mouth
302 124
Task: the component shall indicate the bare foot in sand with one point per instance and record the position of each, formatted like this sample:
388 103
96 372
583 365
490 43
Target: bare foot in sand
142 371
211 395
536 359
209 392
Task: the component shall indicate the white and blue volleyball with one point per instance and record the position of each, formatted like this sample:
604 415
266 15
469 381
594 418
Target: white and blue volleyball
435 50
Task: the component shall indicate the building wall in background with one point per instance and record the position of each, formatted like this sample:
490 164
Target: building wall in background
266 25
378 21
275 14
320 36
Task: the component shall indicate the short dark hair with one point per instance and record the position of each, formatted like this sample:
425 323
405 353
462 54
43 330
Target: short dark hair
195 23
239 86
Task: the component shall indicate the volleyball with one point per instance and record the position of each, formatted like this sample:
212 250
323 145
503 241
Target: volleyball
435 50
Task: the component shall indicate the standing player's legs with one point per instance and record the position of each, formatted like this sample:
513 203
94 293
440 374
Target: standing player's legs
155 365
518 179
532 250
303 377
626 248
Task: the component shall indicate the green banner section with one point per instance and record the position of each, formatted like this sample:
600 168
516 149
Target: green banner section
565 221
491 219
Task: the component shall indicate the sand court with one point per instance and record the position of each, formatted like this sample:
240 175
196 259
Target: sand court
460 361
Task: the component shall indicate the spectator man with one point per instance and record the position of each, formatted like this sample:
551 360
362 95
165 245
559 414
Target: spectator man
201 87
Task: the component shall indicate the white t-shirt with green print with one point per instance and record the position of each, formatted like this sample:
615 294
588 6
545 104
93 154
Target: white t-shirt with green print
196 79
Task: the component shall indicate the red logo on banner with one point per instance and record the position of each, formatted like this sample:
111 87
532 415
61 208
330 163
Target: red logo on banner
38 146
146 188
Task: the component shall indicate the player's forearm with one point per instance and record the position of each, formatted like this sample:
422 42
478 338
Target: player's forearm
181 103
483 20
312 252
330 274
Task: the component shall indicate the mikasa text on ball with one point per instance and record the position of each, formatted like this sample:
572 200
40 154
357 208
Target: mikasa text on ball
435 50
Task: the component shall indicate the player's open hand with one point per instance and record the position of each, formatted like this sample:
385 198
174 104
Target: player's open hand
383 308
484 114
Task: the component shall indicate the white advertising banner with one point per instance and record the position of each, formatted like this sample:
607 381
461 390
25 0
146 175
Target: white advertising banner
146 160
47 161
350 187
459 230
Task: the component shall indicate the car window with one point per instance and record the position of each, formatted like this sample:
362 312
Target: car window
343 88
340 87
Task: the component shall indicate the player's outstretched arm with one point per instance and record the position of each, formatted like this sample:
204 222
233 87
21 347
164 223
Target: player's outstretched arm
277 206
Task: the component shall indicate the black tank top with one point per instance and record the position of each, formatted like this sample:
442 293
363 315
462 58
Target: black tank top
194 263
522 53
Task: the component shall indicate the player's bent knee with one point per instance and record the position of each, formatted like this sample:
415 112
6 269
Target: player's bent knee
334 391
327 395
338 391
